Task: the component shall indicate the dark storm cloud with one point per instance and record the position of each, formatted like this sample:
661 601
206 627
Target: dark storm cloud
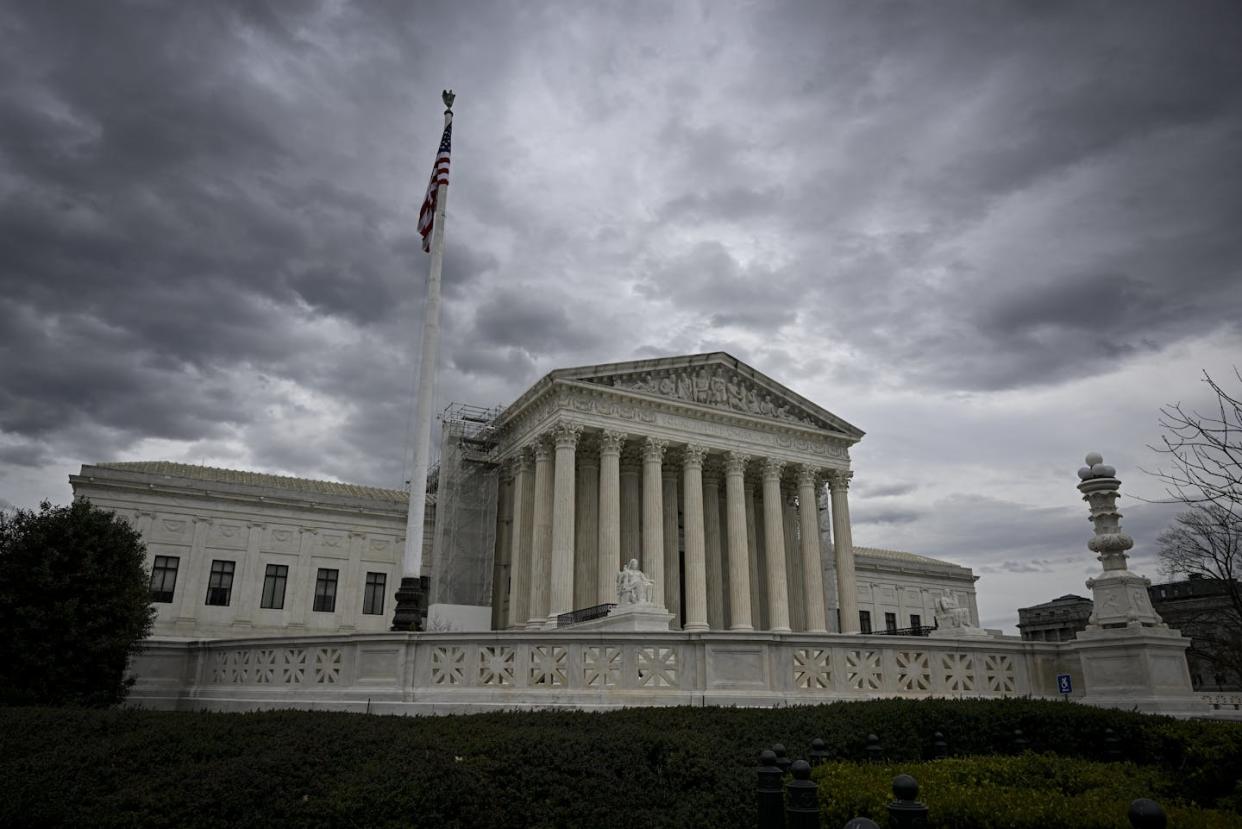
884 490
207 211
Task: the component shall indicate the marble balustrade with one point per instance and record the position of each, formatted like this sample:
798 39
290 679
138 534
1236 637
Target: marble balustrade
459 672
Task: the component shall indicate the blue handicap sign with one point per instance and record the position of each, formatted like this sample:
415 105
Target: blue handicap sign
1063 683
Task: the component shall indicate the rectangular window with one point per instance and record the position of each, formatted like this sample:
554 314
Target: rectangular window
274 581
373 599
325 590
220 585
916 621
864 621
890 622
164 578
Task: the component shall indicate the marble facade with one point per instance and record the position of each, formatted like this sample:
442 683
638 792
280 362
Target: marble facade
703 469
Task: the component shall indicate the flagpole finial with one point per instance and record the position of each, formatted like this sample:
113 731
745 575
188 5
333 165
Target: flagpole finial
448 97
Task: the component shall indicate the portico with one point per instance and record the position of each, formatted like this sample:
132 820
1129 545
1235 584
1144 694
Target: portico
705 470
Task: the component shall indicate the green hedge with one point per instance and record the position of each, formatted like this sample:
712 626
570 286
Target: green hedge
1027 792
636 767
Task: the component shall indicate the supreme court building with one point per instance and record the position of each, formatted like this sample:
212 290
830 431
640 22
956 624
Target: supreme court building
730 490
705 471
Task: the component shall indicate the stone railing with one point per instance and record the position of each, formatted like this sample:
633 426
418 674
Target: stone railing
446 672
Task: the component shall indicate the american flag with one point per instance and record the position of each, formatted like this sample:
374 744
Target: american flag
439 175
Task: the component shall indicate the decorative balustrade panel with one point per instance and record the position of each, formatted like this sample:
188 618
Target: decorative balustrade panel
901 670
631 666
275 666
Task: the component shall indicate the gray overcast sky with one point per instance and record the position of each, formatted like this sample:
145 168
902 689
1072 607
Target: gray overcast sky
993 235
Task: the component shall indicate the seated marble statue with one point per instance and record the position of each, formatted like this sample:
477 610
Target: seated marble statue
633 586
949 615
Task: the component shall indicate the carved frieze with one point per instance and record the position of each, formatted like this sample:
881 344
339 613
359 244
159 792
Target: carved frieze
712 385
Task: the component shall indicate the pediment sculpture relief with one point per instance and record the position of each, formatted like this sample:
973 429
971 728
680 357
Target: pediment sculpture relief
711 386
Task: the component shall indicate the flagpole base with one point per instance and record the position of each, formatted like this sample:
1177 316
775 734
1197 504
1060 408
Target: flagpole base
411 612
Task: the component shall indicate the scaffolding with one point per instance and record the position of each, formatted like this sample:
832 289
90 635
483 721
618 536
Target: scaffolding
466 485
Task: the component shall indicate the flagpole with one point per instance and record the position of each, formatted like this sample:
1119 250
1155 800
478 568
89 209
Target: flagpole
412 595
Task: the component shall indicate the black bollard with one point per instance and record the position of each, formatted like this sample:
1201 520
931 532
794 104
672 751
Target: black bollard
1147 814
874 753
905 812
782 762
940 749
819 753
1112 746
1020 743
862 823
770 795
802 811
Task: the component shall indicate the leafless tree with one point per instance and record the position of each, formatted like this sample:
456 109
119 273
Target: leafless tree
1202 469
1203 452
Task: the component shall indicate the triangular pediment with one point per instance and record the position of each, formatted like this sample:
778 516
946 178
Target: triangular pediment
717 380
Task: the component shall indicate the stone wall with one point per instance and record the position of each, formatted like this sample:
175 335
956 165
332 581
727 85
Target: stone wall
444 673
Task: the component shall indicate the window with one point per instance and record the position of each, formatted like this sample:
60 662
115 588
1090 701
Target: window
325 590
864 621
274 581
890 622
220 585
916 621
373 599
164 578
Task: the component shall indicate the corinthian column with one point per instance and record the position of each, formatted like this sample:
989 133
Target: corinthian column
711 537
793 559
653 513
631 507
672 559
812 574
562 576
609 516
739 549
774 546
696 566
847 585
752 548
521 540
541 538
586 532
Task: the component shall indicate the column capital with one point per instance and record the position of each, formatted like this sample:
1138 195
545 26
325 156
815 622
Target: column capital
653 449
523 460
772 469
693 456
735 463
808 475
610 442
670 472
543 452
840 479
565 434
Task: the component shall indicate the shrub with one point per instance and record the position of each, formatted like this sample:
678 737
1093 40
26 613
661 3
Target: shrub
74 604
1028 792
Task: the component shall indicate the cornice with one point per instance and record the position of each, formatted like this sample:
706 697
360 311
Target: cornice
544 401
